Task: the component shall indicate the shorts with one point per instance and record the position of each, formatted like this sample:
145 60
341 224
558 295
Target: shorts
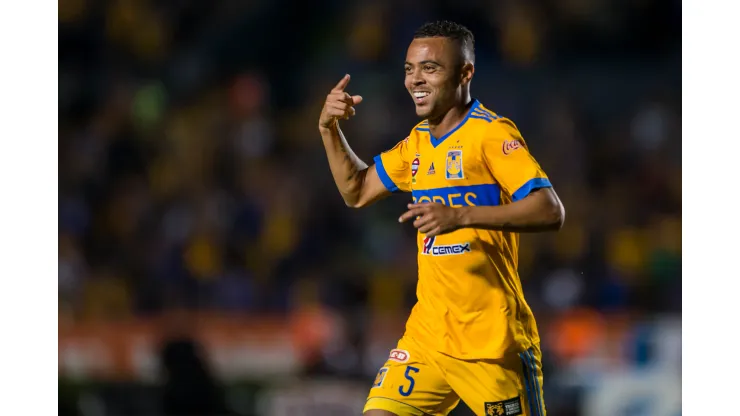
416 382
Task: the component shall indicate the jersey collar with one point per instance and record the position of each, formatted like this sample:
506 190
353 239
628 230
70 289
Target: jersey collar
436 142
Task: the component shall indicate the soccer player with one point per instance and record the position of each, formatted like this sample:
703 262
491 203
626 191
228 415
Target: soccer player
474 186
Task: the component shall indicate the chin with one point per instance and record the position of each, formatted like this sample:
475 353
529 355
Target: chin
423 112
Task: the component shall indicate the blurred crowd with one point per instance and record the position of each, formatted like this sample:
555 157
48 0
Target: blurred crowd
192 174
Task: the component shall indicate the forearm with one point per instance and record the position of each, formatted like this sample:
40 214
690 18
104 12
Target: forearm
347 169
541 211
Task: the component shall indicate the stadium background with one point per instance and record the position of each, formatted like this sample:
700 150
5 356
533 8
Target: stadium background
207 263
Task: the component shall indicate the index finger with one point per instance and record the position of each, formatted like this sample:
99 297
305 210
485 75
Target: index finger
412 213
418 205
342 84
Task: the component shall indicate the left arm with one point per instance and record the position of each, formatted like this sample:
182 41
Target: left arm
540 211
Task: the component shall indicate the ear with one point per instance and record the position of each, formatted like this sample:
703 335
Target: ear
466 75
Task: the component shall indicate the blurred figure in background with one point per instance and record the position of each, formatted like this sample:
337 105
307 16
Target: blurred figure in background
190 388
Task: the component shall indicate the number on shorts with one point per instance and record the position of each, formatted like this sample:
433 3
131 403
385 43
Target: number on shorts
410 388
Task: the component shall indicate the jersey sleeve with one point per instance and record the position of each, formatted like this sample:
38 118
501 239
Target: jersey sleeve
394 167
513 167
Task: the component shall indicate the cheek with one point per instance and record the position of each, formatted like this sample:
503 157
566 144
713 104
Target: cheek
447 85
439 82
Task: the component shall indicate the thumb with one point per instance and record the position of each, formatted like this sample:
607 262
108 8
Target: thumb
356 99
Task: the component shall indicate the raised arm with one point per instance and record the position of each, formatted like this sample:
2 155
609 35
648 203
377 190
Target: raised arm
358 184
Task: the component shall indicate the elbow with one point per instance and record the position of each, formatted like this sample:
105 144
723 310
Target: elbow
361 198
355 195
557 216
354 200
553 210
351 196
355 204
358 202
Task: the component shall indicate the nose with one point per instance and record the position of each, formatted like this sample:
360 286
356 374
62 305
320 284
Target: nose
417 79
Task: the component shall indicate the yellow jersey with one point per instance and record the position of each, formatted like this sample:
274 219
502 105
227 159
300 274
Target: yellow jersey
470 300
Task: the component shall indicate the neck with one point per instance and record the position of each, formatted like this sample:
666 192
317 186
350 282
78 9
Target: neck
439 126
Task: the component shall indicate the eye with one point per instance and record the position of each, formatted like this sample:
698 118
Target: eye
407 69
429 68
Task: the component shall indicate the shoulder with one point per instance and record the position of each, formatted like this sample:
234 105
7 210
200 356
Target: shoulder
417 133
421 127
494 128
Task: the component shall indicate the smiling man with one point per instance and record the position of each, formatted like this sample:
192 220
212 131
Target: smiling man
475 186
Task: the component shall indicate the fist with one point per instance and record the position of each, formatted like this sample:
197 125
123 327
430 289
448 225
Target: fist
339 105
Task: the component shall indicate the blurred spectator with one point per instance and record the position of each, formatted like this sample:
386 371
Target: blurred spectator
189 389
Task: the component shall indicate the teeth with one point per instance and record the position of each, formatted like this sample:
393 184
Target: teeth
420 94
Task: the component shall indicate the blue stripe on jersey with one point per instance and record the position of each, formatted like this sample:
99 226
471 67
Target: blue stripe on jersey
485 111
461 196
384 175
527 383
533 368
484 115
422 129
530 186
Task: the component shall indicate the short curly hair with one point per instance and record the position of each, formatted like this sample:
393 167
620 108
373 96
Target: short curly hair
450 30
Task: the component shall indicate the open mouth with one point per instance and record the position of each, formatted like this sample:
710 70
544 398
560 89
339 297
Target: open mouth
420 97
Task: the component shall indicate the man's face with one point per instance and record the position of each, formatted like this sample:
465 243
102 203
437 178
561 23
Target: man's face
433 75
